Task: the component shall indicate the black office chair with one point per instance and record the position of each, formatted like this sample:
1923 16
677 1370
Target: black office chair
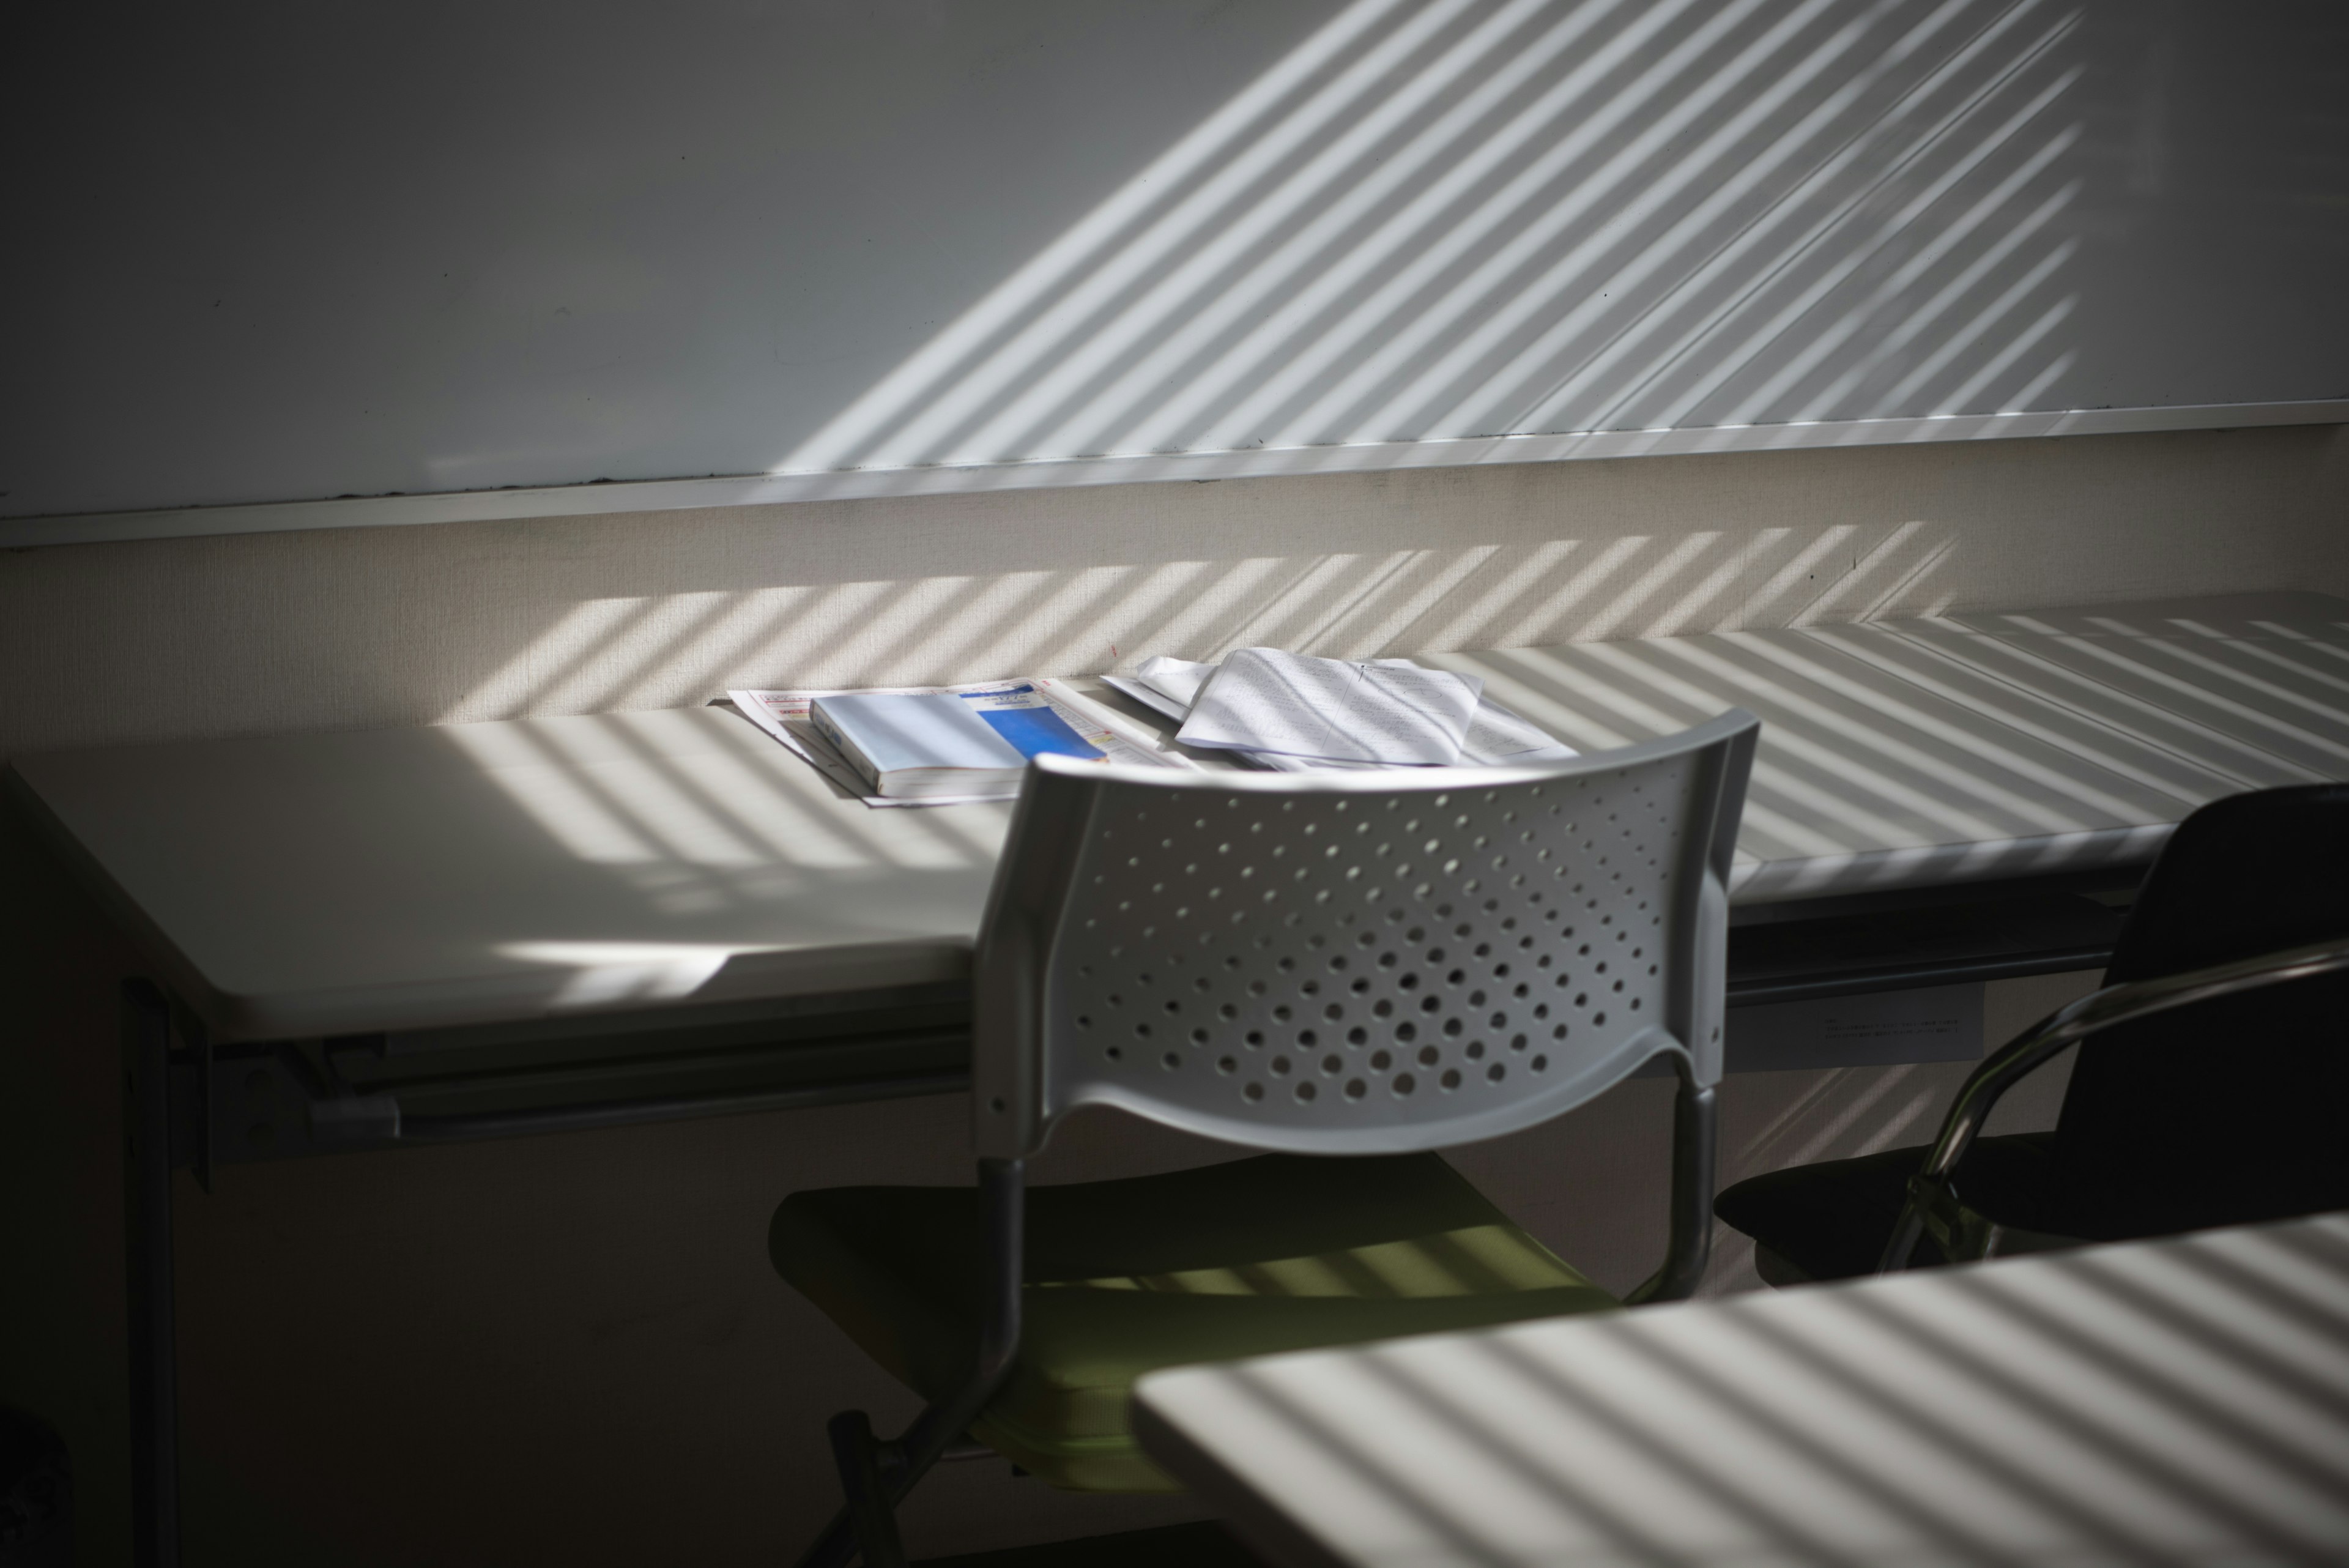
2207 1091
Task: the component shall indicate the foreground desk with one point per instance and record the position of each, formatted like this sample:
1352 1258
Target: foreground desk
2182 1401
479 930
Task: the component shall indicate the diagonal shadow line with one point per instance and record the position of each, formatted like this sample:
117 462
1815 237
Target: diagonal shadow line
1492 189
1758 229
1678 246
1627 1423
1508 576
589 682
1589 1507
2036 673
1506 151
2026 399
1915 1415
1555 591
537 684
1007 375
1499 295
1871 798
1382 619
2280 1300
2203 1331
1400 1489
729 812
1989 375
1823 669
593 787
2193 656
1944 269
1769 318
1321 580
721 641
2108 1440
1901 661
2012 291
1531 208
1908 581
1718 552
1381 578
1138 603
1785 376
1886 356
2315 1243
1347 206
2284 661
2091 651
1910 747
1264 597
951 647
1847 254
1188 184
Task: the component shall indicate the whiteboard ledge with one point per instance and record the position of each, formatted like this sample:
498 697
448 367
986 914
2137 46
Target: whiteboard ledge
1255 463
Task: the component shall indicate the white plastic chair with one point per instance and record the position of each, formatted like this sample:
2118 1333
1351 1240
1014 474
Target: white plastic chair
1343 964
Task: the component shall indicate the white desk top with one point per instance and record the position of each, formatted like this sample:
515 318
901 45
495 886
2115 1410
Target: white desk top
2179 1402
481 873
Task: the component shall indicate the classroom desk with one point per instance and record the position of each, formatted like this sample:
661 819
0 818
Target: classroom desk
2180 1401
399 937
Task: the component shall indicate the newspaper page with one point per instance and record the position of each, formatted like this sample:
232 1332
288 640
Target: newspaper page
1496 736
1264 700
784 715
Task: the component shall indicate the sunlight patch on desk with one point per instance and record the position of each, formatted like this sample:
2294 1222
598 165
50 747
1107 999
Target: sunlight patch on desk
605 974
2143 1402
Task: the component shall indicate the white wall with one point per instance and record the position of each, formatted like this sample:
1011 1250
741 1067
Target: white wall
572 1345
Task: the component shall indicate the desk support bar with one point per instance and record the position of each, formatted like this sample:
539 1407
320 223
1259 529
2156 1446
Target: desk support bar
631 1113
147 1116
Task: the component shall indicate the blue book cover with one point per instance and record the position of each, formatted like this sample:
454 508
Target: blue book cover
1035 731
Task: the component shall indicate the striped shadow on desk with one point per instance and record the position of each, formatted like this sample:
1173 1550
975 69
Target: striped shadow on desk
2178 1402
1969 747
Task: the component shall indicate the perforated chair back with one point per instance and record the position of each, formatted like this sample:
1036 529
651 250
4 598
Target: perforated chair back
1355 963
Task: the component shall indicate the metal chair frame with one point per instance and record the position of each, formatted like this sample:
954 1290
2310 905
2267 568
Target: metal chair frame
1034 1059
1966 1234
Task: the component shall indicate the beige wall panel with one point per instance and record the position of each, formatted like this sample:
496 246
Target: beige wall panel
370 627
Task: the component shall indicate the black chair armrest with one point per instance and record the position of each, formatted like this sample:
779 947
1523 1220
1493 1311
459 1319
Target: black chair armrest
2097 1010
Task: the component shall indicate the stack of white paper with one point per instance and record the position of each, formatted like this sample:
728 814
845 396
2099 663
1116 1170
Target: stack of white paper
1388 719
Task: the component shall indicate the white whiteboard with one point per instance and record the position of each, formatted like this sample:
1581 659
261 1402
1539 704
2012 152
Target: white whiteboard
279 254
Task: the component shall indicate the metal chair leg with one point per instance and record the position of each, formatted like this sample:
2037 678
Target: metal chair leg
877 1475
154 1358
853 1450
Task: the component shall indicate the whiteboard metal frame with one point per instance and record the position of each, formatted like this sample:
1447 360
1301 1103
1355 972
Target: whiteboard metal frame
1256 462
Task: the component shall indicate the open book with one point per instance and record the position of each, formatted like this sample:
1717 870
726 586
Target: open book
1492 736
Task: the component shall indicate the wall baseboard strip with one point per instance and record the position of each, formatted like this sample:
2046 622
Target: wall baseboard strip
771 489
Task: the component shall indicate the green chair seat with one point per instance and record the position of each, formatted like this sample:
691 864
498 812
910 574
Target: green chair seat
1275 1252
